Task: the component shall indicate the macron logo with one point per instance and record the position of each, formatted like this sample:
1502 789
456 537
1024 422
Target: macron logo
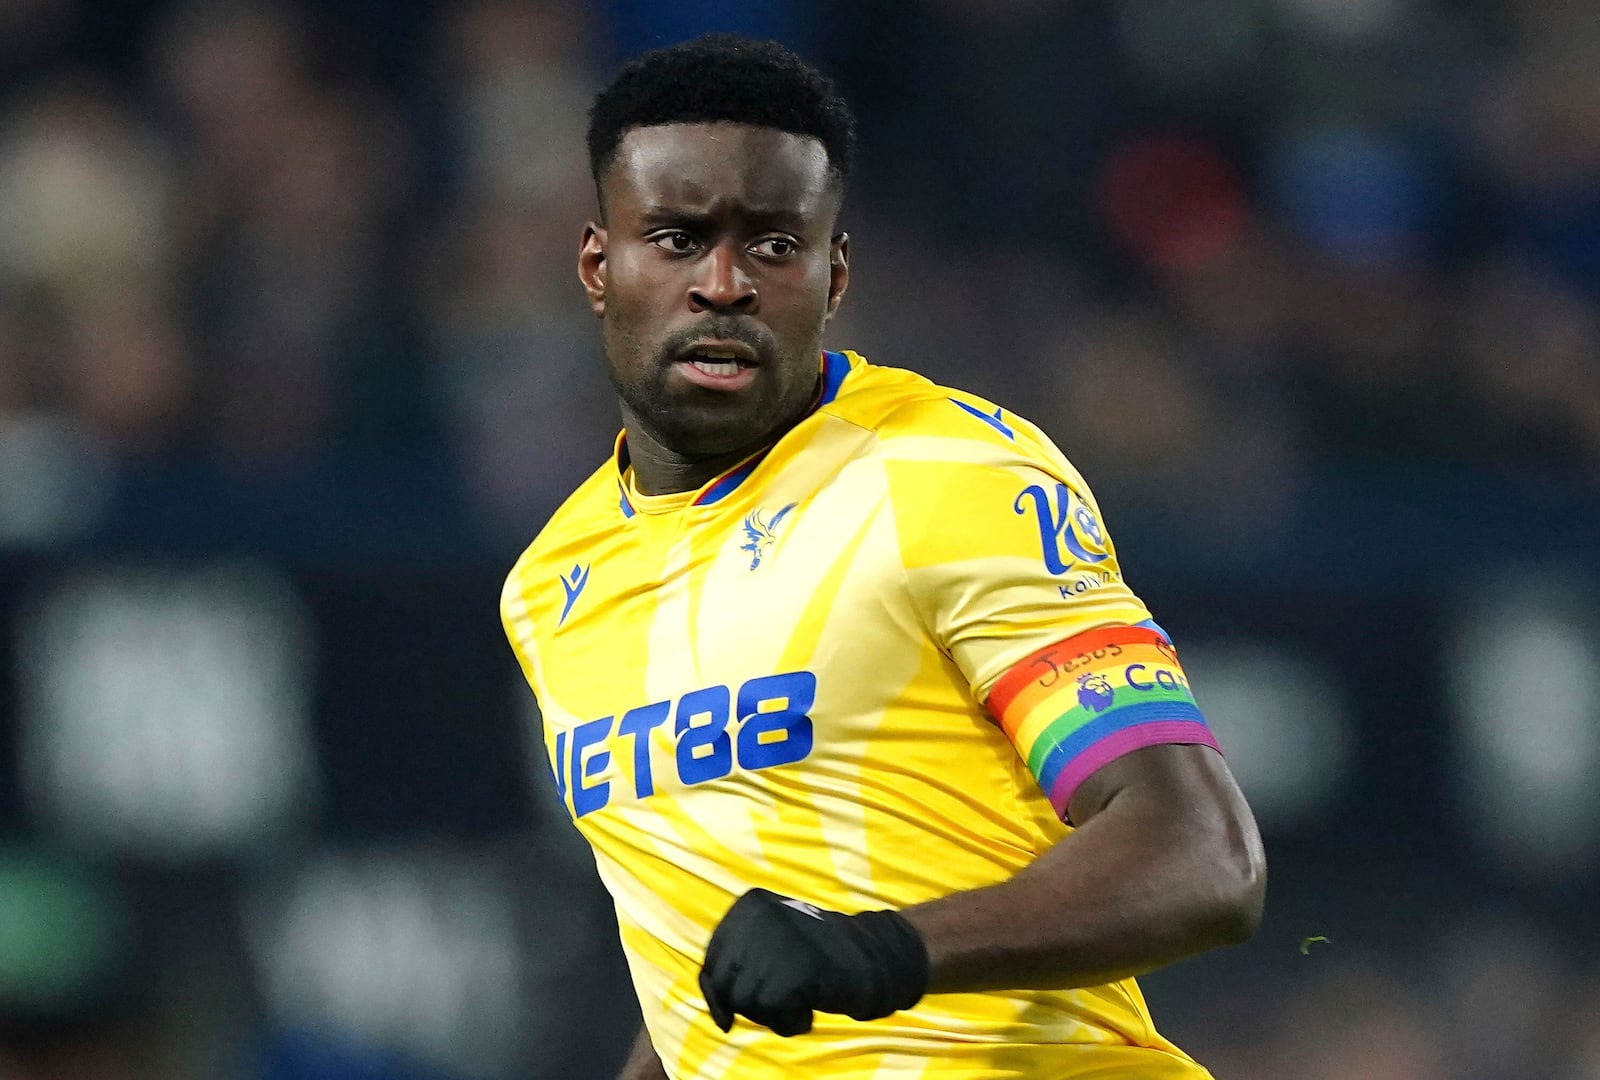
995 419
572 587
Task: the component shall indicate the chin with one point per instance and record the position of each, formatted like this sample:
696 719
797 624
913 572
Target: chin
699 432
710 440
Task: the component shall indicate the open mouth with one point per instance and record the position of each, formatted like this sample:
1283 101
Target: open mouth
720 362
719 365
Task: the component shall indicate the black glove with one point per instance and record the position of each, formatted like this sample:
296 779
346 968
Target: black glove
774 960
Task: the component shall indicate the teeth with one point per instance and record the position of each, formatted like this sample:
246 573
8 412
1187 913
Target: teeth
729 368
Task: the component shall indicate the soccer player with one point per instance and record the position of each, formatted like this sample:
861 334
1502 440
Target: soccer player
888 772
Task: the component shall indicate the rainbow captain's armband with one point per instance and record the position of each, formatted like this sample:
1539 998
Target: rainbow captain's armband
1073 706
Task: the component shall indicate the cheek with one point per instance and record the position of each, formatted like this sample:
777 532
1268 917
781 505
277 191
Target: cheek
642 304
805 295
629 288
822 282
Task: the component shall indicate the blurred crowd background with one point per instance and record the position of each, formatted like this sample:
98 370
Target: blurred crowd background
293 362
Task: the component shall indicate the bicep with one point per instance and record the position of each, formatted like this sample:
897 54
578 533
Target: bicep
1189 782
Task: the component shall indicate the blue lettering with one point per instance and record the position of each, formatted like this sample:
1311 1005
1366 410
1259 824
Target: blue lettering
798 692
772 726
638 723
704 750
1164 679
559 765
587 798
1050 523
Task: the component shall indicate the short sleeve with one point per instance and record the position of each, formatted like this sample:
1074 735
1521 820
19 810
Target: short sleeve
1011 569
1004 550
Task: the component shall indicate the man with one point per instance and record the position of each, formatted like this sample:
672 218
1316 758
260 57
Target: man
887 771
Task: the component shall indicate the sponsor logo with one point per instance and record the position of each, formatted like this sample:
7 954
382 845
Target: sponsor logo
1069 531
1093 579
714 730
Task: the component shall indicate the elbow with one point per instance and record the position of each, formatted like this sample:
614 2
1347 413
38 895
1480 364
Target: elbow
1244 903
1240 888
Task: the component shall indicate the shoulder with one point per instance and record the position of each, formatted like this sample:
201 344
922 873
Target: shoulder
914 418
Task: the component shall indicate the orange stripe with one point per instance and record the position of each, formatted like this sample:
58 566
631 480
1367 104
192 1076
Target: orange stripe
1056 693
1043 670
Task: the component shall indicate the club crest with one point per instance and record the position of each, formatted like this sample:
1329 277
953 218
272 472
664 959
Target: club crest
760 533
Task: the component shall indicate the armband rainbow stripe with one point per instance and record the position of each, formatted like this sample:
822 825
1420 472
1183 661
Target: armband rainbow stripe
1076 705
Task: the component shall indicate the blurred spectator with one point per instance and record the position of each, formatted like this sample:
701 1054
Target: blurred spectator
519 91
517 366
85 193
1529 348
291 242
126 368
1539 134
1158 419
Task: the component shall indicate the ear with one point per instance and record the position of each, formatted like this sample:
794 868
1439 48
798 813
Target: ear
592 266
838 271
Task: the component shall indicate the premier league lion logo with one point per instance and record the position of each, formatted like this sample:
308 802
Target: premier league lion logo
1094 692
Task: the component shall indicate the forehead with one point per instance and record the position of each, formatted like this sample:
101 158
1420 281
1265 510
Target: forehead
705 168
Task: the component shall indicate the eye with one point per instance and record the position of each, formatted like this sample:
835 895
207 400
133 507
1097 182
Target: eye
676 241
776 247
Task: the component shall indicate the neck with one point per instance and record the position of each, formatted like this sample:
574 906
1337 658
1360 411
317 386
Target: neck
660 471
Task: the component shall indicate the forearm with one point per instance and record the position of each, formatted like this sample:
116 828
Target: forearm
1145 882
643 1062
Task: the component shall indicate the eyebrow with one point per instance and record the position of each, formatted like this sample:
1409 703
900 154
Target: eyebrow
761 217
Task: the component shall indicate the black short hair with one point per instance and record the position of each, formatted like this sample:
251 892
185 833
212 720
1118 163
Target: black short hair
722 77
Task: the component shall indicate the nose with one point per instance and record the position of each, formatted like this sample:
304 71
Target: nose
723 284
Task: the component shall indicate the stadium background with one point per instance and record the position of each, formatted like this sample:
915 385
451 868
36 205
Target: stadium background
292 363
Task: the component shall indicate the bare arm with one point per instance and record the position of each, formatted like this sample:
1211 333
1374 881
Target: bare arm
643 1063
1165 863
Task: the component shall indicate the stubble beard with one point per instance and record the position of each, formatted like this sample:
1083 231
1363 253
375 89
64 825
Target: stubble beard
698 428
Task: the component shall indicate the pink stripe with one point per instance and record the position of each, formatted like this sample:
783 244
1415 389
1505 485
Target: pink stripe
1118 743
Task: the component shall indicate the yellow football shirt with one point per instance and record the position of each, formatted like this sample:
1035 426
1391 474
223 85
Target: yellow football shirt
780 679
